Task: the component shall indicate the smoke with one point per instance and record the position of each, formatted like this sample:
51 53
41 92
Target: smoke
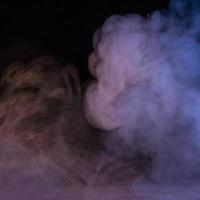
48 150
147 91
145 99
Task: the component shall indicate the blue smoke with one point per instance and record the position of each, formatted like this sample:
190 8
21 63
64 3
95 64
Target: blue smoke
148 90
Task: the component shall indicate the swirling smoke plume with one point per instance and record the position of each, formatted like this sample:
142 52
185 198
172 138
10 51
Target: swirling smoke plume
141 138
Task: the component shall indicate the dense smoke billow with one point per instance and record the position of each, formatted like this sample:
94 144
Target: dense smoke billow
147 91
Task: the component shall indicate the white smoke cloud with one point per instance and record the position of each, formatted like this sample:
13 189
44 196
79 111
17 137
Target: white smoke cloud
147 89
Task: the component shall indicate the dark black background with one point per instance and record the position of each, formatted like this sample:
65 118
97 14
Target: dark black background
60 28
